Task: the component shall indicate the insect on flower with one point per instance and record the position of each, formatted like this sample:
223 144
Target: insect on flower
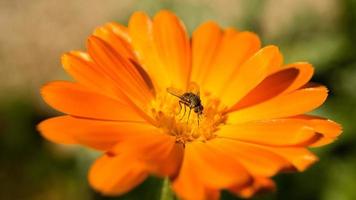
190 99
254 123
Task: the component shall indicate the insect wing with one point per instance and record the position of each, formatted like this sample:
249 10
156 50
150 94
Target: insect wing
194 88
175 92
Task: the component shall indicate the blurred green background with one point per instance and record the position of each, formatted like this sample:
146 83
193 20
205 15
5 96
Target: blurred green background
35 33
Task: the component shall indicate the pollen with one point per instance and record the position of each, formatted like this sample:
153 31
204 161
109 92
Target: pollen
173 120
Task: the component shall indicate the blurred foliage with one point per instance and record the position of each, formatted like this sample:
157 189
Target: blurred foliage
32 168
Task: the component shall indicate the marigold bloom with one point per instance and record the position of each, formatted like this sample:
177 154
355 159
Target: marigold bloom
253 124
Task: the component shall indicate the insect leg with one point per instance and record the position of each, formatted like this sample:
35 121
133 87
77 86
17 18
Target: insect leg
184 110
198 119
190 109
180 107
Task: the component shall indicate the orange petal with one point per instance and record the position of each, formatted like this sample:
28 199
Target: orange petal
77 100
205 166
187 185
141 32
259 185
234 49
293 103
330 130
279 132
127 78
300 157
120 30
171 164
52 130
270 87
217 169
160 152
212 194
250 74
173 48
116 175
205 41
101 135
80 66
87 73
284 80
117 37
258 161
306 71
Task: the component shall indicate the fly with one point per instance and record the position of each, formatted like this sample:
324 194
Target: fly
190 99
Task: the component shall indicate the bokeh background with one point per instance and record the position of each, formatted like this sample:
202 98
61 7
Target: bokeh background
34 34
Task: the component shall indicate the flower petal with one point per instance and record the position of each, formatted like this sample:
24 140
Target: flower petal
300 157
160 152
81 67
205 42
330 130
101 135
306 72
284 80
259 185
291 104
141 32
77 100
172 44
279 132
52 130
220 170
258 161
234 49
116 175
205 166
127 78
250 74
187 185
117 36
272 86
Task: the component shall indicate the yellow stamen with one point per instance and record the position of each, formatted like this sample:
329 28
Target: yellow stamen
166 111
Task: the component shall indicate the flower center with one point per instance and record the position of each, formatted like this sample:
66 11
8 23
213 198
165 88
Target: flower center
181 120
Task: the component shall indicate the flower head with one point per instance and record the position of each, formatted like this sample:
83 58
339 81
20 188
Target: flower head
214 112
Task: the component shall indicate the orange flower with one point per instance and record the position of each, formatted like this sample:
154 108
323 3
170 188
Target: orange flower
253 123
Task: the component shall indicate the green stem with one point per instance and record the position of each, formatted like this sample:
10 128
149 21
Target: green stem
166 192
